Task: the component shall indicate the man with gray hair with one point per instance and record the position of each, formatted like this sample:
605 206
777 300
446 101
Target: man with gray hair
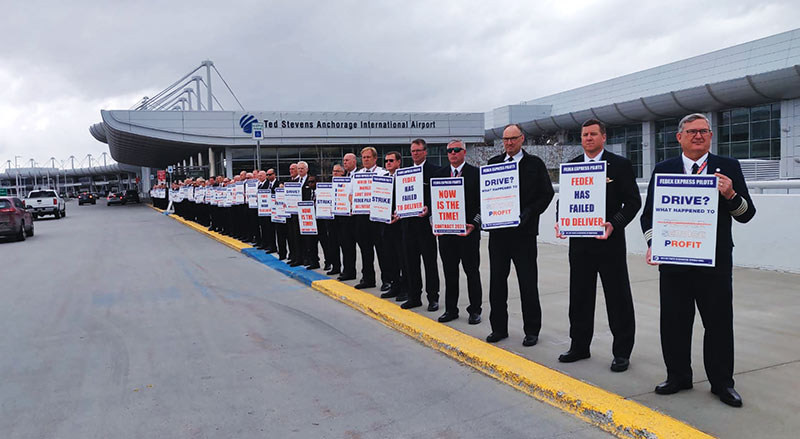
682 287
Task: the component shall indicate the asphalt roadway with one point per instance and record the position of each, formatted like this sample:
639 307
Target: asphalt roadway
118 322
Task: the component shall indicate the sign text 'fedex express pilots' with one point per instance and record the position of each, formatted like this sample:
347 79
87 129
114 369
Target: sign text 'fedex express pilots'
447 205
500 195
582 199
685 219
409 193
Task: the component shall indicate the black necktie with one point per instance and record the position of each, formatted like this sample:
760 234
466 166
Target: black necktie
695 168
510 159
455 173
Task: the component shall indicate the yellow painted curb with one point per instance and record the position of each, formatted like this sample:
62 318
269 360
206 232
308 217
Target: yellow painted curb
154 208
611 412
230 242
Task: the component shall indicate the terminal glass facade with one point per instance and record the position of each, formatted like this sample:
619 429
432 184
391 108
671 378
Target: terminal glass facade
667 145
630 136
750 133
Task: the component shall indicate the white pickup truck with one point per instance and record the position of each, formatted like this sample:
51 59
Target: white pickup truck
45 202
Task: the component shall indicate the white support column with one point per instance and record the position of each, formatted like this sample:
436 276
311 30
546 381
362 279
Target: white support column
714 125
199 159
212 164
228 162
648 149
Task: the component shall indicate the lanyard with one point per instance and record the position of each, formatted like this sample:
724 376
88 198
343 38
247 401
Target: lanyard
703 166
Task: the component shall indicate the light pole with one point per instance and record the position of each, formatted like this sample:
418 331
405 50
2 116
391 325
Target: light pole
16 168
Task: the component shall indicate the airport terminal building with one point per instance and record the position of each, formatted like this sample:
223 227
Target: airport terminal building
750 92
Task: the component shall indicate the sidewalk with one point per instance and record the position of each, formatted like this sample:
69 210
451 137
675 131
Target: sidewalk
766 308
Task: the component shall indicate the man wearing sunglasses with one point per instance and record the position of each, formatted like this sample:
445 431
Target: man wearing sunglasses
681 287
464 249
518 244
393 242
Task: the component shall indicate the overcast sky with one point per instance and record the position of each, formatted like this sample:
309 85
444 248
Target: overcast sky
62 62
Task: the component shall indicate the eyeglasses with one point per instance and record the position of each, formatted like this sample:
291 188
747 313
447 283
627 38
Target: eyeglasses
417 150
390 160
270 173
693 132
511 139
454 150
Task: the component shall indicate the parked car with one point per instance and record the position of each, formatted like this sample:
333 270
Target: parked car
45 202
115 198
132 196
86 197
15 220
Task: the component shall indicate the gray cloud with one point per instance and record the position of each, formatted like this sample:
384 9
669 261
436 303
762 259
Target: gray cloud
61 63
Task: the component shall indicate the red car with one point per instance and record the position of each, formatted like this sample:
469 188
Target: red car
14 219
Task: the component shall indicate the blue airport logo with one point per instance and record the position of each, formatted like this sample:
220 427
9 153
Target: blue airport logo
246 122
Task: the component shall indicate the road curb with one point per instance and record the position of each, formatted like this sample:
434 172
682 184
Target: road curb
613 413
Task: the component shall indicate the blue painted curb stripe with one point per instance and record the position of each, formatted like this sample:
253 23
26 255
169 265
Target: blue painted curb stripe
299 273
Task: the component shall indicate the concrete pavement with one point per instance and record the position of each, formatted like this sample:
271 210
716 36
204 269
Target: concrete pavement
118 322
767 354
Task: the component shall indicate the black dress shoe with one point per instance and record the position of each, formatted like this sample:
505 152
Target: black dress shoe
494 337
530 340
401 297
332 271
411 304
447 316
295 264
328 267
362 285
346 277
620 364
270 250
433 306
669 387
312 267
386 286
728 396
573 355
389 294
474 319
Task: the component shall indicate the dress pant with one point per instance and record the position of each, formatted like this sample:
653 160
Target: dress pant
329 241
310 248
419 243
364 233
281 233
611 264
467 251
347 241
712 291
394 266
293 238
505 246
267 232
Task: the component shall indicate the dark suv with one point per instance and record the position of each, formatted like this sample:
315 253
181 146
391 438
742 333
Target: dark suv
132 196
86 197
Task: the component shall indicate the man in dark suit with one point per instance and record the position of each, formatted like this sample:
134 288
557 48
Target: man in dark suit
368 233
393 269
329 235
605 255
419 240
466 248
268 181
308 243
710 288
518 243
347 227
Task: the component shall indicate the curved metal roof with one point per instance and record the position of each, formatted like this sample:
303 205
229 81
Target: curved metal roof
142 150
116 168
746 91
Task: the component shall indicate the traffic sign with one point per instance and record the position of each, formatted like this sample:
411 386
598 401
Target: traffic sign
3 192
258 131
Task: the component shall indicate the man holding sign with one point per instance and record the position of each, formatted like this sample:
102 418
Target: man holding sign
709 288
518 243
464 247
604 254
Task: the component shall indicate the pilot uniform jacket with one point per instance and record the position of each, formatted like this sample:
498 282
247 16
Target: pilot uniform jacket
464 249
681 287
590 256
518 244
